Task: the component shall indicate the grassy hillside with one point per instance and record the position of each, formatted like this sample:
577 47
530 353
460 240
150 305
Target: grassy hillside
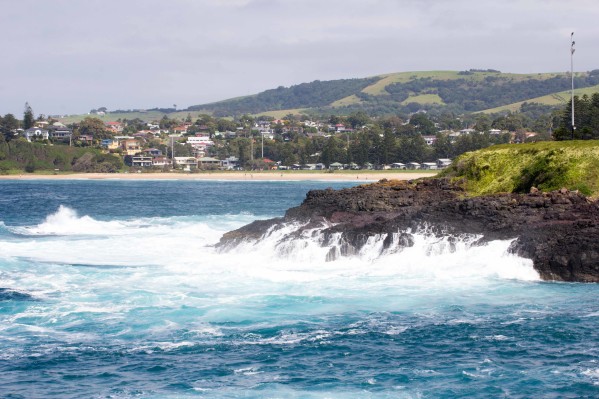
306 95
145 116
458 91
461 91
518 167
19 155
553 99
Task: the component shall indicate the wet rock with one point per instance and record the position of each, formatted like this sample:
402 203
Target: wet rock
559 230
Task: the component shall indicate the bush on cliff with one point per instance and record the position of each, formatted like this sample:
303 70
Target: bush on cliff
22 155
519 167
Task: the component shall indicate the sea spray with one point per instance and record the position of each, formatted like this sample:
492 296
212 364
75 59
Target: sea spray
122 304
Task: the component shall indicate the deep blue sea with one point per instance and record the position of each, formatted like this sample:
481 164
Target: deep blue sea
113 289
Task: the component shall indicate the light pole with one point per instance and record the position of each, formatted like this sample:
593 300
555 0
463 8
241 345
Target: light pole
572 50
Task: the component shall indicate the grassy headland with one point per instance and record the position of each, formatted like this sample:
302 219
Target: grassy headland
518 167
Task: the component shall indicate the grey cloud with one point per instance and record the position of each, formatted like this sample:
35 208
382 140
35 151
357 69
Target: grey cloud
129 54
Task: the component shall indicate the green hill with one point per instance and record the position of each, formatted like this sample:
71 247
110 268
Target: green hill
518 167
461 92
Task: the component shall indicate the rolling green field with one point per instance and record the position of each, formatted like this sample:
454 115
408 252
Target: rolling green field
559 98
424 99
349 100
280 114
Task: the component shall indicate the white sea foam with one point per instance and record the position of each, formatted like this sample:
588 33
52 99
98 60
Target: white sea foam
170 262
183 245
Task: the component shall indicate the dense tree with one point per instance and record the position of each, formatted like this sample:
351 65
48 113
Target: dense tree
510 122
442 148
28 118
483 123
8 125
412 149
133 125
333 151
93 127
423 124
392 123
586 113
224 125
358 119
167 123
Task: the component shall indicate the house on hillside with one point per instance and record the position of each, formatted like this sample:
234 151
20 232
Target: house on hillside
130 146
180 129
36 134
153 152
208 162
229 163
186 163
60 133
430 140
109 144
41 124
141 161
160 161
86 139
115 127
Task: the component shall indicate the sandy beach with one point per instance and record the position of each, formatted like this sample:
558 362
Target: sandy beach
233 176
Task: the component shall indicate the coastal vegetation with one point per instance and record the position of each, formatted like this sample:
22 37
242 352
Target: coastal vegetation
546 166
19 155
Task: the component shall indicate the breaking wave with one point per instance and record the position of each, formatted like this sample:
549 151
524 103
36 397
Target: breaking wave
186 245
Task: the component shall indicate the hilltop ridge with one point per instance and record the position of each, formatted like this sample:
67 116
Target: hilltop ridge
458 91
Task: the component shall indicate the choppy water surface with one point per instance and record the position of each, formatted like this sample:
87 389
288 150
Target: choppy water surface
112 289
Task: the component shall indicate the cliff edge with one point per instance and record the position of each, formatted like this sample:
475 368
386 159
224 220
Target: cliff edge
557 228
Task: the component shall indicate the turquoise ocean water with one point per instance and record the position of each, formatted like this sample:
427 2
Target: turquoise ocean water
113 289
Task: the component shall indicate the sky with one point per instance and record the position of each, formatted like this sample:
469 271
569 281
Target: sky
71 56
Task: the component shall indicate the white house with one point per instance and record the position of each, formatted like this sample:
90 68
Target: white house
443 163
430 140
229 163
199 141
141 161
398 165
36 133
428 166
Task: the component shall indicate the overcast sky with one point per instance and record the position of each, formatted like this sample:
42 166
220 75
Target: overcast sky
69 56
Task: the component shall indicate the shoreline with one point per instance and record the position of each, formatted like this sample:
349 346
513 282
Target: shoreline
229 176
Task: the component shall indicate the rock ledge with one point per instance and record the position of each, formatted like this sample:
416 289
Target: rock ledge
558 230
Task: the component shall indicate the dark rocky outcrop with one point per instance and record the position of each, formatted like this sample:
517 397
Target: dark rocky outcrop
558 230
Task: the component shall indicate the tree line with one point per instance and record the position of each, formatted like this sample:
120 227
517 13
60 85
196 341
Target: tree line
586 119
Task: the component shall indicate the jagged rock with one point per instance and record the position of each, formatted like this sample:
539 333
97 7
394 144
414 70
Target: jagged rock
558 230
